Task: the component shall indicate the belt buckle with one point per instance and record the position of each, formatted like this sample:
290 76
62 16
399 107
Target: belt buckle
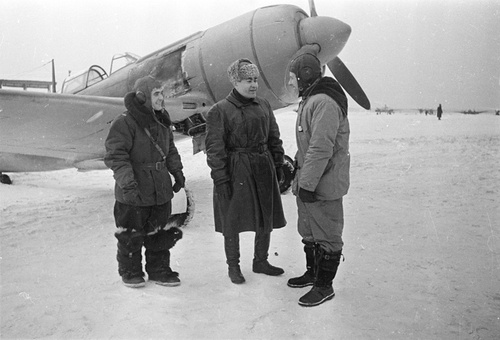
158 166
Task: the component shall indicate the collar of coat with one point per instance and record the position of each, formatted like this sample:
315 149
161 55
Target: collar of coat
143 115
238 103
331 88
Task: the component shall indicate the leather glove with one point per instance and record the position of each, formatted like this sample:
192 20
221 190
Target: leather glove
131 194
280 175
224 190
307 196
180 181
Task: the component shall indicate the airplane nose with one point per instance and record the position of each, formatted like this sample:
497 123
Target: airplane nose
329 33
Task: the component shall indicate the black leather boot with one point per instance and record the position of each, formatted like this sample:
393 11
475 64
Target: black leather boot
307 279
232 249
260 263
327 265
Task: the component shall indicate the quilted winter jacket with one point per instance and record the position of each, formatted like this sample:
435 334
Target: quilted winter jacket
322 134
133 157
256 201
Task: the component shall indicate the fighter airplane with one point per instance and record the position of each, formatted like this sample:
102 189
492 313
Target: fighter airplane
51 131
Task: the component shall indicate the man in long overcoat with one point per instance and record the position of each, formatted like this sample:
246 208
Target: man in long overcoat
245 154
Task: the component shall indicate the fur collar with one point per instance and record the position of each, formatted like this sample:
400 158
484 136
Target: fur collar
331 88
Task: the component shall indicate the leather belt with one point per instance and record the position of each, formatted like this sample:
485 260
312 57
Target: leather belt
259 149
153 166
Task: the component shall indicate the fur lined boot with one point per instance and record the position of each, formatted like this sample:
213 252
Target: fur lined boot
327 265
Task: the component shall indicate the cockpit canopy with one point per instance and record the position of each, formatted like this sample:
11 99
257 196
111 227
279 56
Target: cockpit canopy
94 74
83 79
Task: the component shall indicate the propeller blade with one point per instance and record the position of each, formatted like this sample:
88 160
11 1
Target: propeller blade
348 82
312 8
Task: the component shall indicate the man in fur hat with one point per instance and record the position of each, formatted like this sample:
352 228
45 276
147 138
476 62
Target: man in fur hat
141 152
245 154
322 178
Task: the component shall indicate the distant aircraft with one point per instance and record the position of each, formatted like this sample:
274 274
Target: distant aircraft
426 111
389 111
51 131
472 112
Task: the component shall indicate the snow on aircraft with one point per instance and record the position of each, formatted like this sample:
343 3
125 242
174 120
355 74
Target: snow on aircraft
52 131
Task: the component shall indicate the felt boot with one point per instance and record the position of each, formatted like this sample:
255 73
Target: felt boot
327 265
307 279
130 268
158 268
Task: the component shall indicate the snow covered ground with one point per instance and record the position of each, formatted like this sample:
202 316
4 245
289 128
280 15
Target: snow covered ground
422 249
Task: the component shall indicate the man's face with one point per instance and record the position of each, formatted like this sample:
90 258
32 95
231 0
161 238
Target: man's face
247 87
293 85
157 99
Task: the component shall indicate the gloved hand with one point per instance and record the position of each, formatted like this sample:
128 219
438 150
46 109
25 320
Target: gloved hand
280 175
180 181
224 190
131 194
307 196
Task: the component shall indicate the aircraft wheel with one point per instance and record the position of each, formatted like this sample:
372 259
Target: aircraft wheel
182 219
289 172
4 179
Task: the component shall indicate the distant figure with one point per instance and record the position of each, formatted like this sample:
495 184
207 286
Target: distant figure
245 154
141 152
439 111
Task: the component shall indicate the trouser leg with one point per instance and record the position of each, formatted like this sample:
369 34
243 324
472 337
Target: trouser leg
322 222
130 241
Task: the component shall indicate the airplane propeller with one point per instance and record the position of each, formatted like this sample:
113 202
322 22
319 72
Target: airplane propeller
343 75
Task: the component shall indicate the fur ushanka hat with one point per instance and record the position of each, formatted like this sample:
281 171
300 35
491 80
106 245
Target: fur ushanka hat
242 69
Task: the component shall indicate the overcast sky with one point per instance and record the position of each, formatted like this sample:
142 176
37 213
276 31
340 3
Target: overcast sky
404 53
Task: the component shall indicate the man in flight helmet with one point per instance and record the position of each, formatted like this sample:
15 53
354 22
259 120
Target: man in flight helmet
322 178
141 152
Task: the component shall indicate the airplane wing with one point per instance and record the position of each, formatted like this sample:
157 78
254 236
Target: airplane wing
49 131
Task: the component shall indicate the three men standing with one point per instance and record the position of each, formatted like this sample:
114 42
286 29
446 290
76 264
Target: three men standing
245 154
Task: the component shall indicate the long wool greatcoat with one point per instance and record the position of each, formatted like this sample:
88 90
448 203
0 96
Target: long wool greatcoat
133 157
243 147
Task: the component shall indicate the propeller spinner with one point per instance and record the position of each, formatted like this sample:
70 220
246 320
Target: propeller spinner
330 35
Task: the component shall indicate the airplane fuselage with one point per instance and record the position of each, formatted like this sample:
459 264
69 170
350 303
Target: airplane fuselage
54 131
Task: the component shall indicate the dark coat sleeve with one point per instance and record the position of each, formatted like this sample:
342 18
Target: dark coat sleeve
118 145
274 143
216 146
174 163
